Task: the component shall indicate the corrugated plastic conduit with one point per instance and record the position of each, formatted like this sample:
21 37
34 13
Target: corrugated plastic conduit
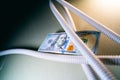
69 20
88 56
94 62
54 57
108 32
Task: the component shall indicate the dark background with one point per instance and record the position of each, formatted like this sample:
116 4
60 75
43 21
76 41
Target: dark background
15 14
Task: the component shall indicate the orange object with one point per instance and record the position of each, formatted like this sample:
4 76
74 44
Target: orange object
70 48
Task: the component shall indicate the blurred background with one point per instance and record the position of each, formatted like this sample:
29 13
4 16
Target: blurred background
25 24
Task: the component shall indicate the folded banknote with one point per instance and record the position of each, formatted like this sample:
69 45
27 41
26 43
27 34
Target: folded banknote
61 42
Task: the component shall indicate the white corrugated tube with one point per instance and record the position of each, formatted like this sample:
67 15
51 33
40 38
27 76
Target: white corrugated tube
75 59
58 58
94 62
87 70
111 34
88 56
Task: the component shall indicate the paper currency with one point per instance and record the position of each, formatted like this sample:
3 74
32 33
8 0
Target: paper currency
61 43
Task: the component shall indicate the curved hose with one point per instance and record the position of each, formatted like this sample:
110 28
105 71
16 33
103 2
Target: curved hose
54 57
111 34
94 62
69 20
88 72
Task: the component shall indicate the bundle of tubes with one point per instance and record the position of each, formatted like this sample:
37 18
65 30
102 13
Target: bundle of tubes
93 61
61 58
88 57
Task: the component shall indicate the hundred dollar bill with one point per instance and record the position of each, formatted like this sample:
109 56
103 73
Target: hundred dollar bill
61 43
